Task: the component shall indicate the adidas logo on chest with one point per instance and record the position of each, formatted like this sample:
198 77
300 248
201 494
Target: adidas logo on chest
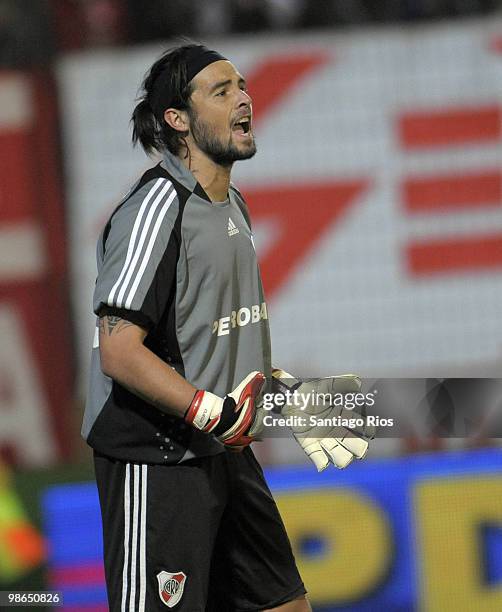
232 228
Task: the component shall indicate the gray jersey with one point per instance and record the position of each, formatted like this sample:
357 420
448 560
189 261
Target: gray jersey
186 270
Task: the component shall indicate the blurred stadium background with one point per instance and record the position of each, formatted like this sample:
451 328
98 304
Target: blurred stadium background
376 197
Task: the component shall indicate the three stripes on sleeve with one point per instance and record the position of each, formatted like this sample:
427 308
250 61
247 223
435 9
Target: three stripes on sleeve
138 233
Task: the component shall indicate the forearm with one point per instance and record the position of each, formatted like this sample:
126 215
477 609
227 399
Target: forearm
146 375
129 362
125 358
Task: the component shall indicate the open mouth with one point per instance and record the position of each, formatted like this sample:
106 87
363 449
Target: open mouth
243 126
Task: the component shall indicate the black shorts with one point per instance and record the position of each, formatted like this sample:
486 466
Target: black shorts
202 536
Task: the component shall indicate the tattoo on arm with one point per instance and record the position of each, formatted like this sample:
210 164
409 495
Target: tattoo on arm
110 324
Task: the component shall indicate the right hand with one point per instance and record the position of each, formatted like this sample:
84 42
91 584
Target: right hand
235 420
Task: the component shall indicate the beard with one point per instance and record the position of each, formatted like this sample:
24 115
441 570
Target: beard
220 152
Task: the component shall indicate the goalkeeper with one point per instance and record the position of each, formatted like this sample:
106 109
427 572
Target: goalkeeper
180 355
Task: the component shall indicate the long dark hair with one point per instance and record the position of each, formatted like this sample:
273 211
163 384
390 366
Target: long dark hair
149 127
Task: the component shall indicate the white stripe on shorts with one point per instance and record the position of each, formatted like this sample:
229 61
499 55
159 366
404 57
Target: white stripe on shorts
134 576
127 519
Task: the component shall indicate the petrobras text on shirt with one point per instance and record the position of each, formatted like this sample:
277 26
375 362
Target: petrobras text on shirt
239 318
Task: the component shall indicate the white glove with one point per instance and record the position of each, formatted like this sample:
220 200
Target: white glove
325 444
235 420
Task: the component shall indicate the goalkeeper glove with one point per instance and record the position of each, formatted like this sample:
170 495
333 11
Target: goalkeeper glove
325 444
235 420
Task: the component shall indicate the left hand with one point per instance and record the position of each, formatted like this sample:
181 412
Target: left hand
325 444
